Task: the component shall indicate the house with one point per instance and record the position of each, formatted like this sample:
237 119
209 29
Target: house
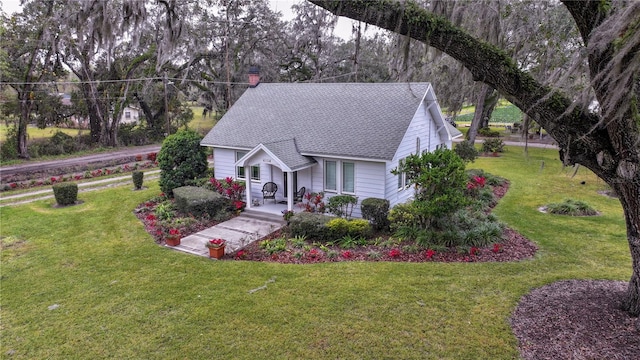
336 138
130 115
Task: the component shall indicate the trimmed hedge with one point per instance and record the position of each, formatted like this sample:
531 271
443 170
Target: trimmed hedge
376 210
138 177
198 201
339 227
65 193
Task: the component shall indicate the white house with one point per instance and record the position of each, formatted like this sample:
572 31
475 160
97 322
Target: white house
337 138
130 115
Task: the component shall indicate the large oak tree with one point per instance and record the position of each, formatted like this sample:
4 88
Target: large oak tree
605 138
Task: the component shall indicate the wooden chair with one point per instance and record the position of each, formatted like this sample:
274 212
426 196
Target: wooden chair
269 191
298 195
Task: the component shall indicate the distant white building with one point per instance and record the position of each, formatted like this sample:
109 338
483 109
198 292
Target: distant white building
130 115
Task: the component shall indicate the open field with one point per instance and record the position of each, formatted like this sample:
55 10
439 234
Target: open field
35 133
88 282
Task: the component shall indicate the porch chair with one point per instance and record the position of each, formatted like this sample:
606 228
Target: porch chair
269 191
298 195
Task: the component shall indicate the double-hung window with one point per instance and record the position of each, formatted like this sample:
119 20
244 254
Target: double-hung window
255 170
339 176
348 177
403 179
330 176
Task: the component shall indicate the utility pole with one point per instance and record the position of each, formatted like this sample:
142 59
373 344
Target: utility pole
166 104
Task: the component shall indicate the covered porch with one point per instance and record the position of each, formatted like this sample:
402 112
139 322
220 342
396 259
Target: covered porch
284 168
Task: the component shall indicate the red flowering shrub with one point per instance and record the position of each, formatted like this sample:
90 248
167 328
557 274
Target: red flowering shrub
429 253
347 254
394 253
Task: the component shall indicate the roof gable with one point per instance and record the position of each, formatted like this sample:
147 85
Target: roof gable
360 120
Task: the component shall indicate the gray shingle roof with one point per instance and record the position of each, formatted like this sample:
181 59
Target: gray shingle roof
288 153
361 120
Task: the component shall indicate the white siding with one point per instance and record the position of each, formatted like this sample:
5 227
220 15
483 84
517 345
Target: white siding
223 163
369 180
423 127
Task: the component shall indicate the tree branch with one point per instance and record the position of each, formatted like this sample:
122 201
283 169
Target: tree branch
588 15
576 130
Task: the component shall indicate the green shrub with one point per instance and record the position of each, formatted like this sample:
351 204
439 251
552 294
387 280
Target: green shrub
198 201
165 211
310 225
9 148
66 142
440 182
137 177
181 159
339 227
377 211
65 193
466 150
492 146
402 215
487 132
571 207
342 205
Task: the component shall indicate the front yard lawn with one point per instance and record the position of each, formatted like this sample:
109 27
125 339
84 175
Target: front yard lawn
89 282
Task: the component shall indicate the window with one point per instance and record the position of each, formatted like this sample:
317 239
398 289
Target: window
127 114
417 145
348 177
403 179
330 176
401 176
339 176
255 170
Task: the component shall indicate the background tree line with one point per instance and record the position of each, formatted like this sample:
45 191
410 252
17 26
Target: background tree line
156 55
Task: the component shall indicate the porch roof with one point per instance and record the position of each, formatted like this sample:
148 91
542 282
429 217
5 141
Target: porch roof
284 154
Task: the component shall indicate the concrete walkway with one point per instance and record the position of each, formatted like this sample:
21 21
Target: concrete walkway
238 233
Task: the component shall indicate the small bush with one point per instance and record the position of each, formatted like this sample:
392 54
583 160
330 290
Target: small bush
310 225
137 177
198 201
402 215
339 227
571 207
487 132
65 193
466 150
492 146
342 205
376 210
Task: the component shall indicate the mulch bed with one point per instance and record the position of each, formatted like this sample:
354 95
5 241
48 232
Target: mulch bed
576 319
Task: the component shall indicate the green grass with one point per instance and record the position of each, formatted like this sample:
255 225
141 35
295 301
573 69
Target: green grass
122 296
507 114
35 133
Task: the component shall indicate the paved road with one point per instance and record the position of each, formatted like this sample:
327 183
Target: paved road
43 166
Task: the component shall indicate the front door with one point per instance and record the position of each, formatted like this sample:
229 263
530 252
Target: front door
295 182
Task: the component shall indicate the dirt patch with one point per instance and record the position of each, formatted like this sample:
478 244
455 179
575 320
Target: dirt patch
576 319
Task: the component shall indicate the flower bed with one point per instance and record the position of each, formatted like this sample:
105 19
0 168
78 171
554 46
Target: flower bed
78 176
277 247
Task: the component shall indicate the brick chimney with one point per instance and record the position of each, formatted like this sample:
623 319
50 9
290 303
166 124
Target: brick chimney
254 76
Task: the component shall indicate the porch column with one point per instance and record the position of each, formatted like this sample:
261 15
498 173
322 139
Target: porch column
290 190
247 185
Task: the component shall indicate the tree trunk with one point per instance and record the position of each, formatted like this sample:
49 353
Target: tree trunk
477 116
629 195
25 108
